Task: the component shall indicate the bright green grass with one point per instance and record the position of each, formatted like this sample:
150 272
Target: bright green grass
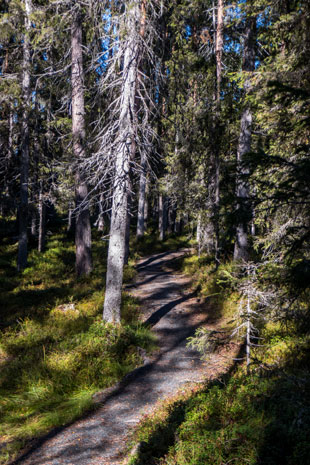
149 244
241 421
55 351
257 419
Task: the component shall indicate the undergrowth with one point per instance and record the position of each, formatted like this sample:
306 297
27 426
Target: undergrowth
149 244
261 418
55 351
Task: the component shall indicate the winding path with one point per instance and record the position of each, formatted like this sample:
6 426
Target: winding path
174 312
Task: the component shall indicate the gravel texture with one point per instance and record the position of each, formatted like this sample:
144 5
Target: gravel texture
174 313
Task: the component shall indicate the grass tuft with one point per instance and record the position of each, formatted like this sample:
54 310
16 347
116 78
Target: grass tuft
241 419
55 350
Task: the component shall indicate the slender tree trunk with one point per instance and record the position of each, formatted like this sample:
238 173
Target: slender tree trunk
24 159
218 56
146 204
172 217
198 234
70 217
219 48
142 196
123 153
101 223
177 223
162 217
10 139
83 263
33 221
41 241
127 235
35 181
101 218
241 251
142 183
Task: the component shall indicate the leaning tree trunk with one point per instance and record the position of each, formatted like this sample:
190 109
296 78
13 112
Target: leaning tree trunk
24 159
123 153
241 251
83 263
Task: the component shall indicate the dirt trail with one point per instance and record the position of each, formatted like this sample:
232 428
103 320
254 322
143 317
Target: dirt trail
174 313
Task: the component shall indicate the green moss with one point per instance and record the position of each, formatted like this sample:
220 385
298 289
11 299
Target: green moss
245 420
257 419
55 351
149 244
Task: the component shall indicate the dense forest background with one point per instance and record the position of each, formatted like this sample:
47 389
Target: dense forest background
130 127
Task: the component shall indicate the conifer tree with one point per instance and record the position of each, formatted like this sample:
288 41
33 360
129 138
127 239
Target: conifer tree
241 251
24 160
82 227
124 150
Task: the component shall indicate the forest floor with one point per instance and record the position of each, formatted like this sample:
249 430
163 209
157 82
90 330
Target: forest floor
172 309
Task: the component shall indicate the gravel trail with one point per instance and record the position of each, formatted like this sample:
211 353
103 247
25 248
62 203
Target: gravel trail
174 313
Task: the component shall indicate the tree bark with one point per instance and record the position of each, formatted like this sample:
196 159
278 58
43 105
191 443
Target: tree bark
123 152
241 251
171 216
218 56
162 214
127 235
146 205
10 138
41 240
83 263
70 217
219 47
101 223
142 183
199 234
33 220
24 159
142 197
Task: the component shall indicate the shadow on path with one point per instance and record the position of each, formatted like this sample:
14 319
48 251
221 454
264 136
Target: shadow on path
99 437
162 311
151 259
148 280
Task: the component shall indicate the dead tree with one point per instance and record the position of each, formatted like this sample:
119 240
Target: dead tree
123 152
124 131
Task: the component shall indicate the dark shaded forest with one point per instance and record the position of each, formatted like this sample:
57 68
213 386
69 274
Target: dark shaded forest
140 126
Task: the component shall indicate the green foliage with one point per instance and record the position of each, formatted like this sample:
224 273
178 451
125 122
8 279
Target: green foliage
56 352
217 286
150 244
257 418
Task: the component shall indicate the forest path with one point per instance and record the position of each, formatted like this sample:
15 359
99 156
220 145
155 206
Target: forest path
174 312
